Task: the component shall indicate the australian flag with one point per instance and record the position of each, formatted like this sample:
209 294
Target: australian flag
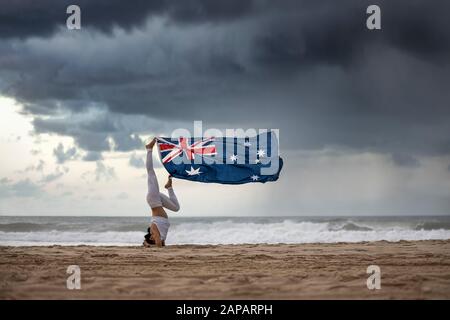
226 160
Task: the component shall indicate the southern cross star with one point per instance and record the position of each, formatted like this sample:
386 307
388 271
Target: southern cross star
193 172
233 157
261 153
254 177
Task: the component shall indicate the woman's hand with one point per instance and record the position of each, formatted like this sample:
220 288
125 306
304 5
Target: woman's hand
150 145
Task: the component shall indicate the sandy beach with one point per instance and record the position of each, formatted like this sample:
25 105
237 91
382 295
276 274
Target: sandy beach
412 270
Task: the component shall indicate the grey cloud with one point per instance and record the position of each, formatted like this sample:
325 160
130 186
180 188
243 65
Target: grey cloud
405 160
22 18
310 69
103 172
4 180
96 142
63 155
127 142
91 132
93 156
136 161
22 189
57 174
38 167
336 34
51 177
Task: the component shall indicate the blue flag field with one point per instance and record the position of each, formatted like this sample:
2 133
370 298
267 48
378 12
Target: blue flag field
225 160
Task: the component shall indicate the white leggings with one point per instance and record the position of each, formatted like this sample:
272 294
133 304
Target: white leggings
154 197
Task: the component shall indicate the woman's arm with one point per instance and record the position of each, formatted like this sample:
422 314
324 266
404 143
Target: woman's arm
156 235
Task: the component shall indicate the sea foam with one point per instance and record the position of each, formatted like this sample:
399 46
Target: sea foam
130 231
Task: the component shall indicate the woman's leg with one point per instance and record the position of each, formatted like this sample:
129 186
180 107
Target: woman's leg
170 202
153 197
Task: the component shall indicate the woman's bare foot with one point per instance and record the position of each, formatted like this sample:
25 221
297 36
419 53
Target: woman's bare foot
169 183
150 145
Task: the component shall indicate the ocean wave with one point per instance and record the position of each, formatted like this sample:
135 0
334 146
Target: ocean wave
293 232
80 227
24 227
228 232
350 226
433 225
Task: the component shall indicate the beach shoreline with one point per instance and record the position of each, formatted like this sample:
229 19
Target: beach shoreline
409 270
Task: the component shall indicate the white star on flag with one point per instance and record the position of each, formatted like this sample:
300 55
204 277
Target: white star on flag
193 172
247 144
261 153
254 177
233 157
257 161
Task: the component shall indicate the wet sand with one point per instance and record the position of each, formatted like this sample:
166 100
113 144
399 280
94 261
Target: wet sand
409 270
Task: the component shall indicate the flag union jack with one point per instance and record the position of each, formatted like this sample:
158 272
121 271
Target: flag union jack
170 151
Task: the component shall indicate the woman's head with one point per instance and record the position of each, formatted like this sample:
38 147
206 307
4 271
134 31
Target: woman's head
148 237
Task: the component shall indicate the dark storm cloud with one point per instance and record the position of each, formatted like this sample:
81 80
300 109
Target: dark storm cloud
91 133
331 33
26 18
97 130
87 138
310 68
405 160
92 141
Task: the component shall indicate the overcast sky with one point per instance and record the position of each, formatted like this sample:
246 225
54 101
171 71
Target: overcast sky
364 116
